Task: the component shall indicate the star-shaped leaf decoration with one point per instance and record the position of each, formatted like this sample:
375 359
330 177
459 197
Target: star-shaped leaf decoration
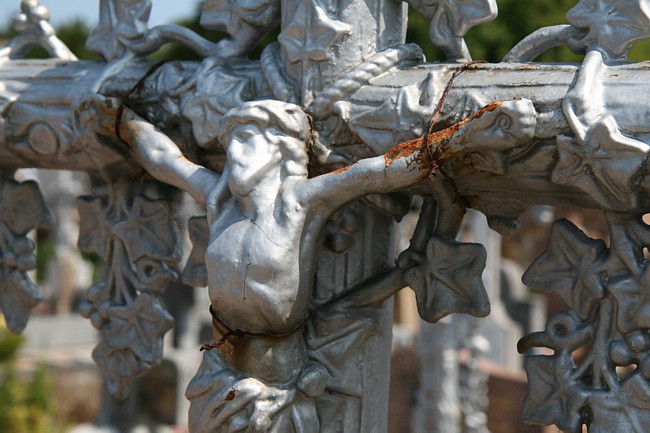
449 280
94 226
217 92
18 295
629 235
227 15
397 120
139 327
573 267
132 342
607 166
149 231
23 207
120 23
611 26
625 410
633 303
457 16
120 368
552 397
310 35
195 272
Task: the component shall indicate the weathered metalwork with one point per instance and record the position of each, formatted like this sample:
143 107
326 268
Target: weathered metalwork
303 160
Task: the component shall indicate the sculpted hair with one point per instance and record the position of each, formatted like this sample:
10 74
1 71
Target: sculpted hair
278 117
282 116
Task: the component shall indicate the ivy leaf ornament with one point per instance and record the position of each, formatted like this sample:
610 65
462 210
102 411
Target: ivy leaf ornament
139 327
552 396
310 35
228 15
23 207
633 303
572 267
121 22
448 280
18 295
149 231
610 26
606 165
120 368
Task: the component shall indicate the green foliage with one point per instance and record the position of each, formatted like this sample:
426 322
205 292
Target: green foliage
25 404
492 41
45 247
9 344
517 19
178 52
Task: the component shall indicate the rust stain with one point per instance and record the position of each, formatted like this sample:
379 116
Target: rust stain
404 149
436 142
342 169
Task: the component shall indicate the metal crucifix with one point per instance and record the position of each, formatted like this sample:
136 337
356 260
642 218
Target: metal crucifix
302 161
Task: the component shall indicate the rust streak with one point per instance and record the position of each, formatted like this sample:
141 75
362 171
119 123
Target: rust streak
342 169
438 141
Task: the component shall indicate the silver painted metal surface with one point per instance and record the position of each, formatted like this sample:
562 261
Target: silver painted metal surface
302 161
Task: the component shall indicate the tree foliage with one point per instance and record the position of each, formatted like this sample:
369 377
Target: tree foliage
489 42
26 405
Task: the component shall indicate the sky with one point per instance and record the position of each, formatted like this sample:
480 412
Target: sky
62 11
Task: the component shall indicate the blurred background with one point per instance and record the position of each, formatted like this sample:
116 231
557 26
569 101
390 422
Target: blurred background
49 384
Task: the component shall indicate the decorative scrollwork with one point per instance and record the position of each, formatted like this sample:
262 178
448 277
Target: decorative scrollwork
139 240
608 318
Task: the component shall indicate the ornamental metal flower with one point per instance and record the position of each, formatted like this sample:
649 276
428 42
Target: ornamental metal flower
610 26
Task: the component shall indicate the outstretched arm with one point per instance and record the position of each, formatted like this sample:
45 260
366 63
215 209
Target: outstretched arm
497 126
156 152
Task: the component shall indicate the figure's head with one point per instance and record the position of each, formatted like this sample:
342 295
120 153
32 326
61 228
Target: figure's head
270 129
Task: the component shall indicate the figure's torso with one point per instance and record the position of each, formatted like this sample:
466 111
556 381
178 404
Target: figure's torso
254 269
